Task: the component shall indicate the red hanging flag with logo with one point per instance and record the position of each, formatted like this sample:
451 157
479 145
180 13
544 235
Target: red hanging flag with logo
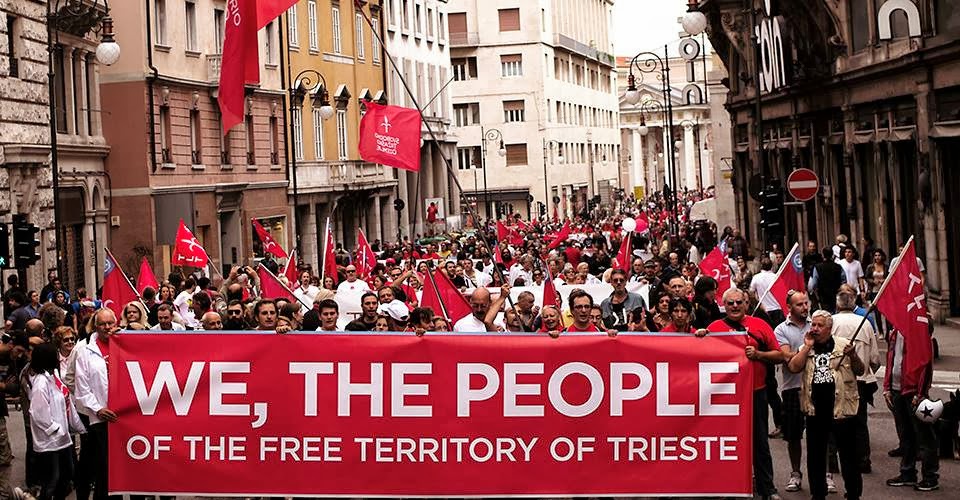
271 287
268 10
117 290
715 266
790 277
390 135
623 256
240 62
187 250
146 277
561 236
269 244
366 259
329 258
290 270
904 305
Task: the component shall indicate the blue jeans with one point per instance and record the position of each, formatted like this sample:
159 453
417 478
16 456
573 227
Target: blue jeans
762 460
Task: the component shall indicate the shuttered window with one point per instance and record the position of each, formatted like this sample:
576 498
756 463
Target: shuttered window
511 65
457 23
512 111
516 154
509 19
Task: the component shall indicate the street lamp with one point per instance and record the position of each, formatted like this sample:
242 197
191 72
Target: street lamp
77 18
495 136
694 22
312 82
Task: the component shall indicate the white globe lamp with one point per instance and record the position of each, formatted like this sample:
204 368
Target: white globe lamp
629 224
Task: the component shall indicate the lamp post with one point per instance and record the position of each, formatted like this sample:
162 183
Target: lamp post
312 82
495 136
76 18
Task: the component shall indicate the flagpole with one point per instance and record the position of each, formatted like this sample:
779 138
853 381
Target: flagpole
873 303
285 287
775 278
323 265
125 278
436 292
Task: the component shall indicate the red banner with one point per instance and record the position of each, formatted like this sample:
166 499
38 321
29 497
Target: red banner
447 415
390 135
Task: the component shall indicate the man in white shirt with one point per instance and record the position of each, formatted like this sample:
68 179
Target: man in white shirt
473 323
760 285
184 301
473 278
352 284
306 293
853 271
165 320
91 395
523 271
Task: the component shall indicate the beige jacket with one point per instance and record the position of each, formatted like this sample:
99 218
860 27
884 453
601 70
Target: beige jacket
846 396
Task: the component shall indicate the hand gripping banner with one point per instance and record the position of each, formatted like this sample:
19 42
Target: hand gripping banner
369 415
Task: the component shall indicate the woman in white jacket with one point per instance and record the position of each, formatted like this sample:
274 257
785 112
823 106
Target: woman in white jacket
52 418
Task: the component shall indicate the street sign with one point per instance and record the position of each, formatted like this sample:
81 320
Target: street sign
803 184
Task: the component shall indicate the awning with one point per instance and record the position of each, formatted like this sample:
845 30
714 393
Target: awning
945 130
864 137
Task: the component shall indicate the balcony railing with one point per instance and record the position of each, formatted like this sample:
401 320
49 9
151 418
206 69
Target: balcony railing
337 174
464 39
584 50
213 67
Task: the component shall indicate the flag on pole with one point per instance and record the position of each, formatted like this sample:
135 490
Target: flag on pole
268 10
550 295
146 277
290 270
366 259
329 259
715 265
441 295
497 255
905 307
561 236
390 135
789 277
187 250
269 244
271 287
623 256
239 63
117 290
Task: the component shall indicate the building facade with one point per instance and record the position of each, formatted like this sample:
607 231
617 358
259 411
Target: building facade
697 99
416 37
169 159
330 181
534 105
867 94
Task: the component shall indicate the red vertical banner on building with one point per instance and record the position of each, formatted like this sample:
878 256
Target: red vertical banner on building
239 63
441 415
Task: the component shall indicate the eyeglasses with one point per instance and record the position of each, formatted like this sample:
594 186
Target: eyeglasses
349 271
69 340
734 302
234 313
618 281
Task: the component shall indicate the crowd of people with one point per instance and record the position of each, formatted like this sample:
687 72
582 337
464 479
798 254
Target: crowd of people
58 344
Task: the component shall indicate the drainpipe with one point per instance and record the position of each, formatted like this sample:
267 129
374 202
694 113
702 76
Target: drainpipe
150 88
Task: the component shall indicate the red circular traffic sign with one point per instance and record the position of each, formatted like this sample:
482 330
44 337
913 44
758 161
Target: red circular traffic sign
803 184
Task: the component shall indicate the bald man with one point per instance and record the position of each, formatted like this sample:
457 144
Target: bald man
473 323
211 321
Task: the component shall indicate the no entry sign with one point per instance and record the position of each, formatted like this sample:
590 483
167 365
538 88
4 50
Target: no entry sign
803 184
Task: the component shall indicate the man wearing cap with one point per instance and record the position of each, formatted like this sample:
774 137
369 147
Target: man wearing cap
352 284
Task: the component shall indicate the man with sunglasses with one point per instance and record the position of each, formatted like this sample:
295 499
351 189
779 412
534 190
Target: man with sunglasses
234 316
621 303
352 284
763 349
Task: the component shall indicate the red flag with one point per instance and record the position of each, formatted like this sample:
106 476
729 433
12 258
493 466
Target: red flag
366 259
268 10
497 256
146 277
391 135
550 295
715 265
329 259
508 234
905 307
271 287
187 250
269 244
523 226
290 270
444 298
623 256
239 63
789 277
117 290
643 223
561 236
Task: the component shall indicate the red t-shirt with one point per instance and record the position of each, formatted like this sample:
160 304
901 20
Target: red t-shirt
756 327
590 328
671 328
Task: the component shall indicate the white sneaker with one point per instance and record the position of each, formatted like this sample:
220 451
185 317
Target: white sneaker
831 486
794 483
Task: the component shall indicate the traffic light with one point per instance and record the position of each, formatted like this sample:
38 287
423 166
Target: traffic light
4 246
25 242
771 210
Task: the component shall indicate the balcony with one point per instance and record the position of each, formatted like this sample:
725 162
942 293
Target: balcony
466 39
584 50
341 176
213 67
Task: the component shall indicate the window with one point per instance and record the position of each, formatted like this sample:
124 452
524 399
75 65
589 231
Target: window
860 25
160 21
342 139
166 135
466 114
464 68
191 20
292 33
312 25
441 25
297 119
359 24
543 20
218 28
270 35
948 16
335 15
391 14
516 154
12 46
512 111
509 20
405 15
418 19
467 158
375 42
224 142
458 27
91 88
195 137
251 140
430 21
317 135
511 65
